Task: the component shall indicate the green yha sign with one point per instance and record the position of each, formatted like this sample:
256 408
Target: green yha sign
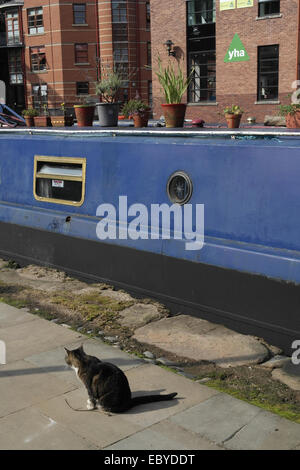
236 51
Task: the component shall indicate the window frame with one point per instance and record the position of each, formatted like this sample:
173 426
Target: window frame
203 13
37 98
35 26
118 16
15 30
41 52
78 84
61 160
268 2
78 12
15 62
86 53
260 62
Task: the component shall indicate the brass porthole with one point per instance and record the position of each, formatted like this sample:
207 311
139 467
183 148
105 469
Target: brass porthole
179 188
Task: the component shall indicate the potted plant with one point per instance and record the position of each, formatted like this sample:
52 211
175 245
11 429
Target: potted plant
291 112
233 115
174 85
108 88
85 112
138 110
63 120
29 115
43 120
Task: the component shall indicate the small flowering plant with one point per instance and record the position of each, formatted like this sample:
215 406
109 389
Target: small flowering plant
233 109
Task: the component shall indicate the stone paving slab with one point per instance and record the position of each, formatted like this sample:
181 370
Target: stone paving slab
104 430
30 430
95 426
218 418
54 359
164 436
34 414
10 316
199 339
22 385
149 379
289 375
266 431
31 337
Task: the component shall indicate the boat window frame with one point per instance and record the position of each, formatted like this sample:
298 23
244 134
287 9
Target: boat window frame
62 160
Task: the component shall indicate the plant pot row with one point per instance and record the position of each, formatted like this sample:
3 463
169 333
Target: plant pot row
49 121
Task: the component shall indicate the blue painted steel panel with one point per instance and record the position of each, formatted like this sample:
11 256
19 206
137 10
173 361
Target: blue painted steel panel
250 189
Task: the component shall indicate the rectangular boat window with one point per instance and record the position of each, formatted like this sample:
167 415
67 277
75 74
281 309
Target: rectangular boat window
59 179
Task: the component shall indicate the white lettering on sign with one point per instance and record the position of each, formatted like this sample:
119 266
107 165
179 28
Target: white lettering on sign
57 183
236 53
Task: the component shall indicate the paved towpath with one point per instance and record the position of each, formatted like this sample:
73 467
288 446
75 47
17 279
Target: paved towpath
35 382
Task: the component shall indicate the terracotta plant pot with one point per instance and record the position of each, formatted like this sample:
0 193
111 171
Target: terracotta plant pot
233 120
174 114
29 121
141 119
84 114
42 121
293 120
62 121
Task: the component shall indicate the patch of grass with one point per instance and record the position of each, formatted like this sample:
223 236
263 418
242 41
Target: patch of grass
13 302
11 264
272 397
91 305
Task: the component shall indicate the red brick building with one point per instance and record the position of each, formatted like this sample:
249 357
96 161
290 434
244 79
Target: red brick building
51 52
256 71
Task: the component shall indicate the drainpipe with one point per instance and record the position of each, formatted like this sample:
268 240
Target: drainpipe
51 38
297 48
138 46
97 40
23 55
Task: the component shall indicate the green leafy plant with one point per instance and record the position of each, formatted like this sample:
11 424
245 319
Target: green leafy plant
173 82
85 101
134 107
233 109
30 112
112 80
285 109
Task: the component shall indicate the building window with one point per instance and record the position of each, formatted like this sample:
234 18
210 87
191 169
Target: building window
35 20
120 32
268 7
82 88
268 66
38 59
39 96
12 27
119 12
148 21
120 52
150 96
201 12
15 67
203 84
81 53
79 13
149 58
201 48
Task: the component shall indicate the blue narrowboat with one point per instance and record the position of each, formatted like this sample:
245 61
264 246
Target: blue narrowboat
60 197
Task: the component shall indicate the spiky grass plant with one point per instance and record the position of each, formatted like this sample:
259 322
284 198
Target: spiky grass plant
173 82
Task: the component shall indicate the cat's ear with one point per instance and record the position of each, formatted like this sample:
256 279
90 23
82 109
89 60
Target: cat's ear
81 348
67 351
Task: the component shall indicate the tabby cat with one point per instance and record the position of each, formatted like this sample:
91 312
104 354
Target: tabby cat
106 384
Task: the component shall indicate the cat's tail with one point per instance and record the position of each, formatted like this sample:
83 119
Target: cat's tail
151 398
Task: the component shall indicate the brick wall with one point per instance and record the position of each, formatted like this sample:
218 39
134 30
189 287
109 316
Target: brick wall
236 82
60 35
